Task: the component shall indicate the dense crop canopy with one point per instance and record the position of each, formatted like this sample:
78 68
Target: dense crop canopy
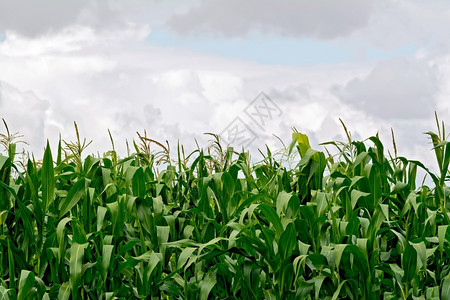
213 225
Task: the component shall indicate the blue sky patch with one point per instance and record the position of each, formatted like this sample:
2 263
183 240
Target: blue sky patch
274 49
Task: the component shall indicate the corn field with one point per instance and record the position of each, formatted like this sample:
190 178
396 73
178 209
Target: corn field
214 225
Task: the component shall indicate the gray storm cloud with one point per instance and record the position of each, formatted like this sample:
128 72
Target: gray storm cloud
32 18
397 88
319 18
24 113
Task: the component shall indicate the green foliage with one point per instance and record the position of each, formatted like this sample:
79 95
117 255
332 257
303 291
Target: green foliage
213 225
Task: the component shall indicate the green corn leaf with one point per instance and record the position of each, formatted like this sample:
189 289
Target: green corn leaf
5 293
101 213
74 195
321 199
59 155
150 257
75 266
442 231
47 178
64 291
433 293
409 263
207 284
26 283
445 291
163 234
138 183
106 258
11 266
272 217
338 250
288 241
153 261
302 141
184 256
60 234
421 251
318 281
338 290
356 195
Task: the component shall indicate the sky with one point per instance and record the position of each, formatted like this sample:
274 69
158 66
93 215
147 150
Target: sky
249 70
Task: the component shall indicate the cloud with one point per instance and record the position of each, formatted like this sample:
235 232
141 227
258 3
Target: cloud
401 22
42 17
105 76
118 84
33 18
69 39
397 88
313 110
24 112
319 18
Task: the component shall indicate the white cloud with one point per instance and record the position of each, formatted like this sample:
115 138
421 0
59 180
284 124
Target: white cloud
25 113
122 85
69 39
320 18
99 70
395 89
402 22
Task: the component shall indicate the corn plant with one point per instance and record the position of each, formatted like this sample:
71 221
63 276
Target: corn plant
213 225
